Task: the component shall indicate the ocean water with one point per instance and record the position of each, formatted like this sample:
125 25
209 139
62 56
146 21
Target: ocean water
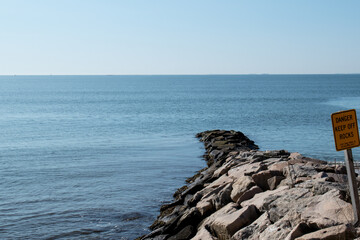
94 157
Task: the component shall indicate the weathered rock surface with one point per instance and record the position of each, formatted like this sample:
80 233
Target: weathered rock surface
245 193
335 232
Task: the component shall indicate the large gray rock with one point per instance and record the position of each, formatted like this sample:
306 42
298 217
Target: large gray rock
191 216
299 230
253 230
328 210
281 228
214 199
228 209
223 197
279 166
225 168
274 181
221 181
264 198
261 179
221 220
299 170
205 206
242 184
294 199
248 194
226 225
246 169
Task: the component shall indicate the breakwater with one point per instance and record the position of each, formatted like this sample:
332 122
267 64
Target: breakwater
245 193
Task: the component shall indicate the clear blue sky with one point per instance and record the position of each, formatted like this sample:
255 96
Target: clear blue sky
179 37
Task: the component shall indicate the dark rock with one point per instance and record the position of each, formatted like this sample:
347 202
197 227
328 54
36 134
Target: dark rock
158 232
184 234
179 191
191 216
249 194
274 181
254 229
299 230
261 178
223 197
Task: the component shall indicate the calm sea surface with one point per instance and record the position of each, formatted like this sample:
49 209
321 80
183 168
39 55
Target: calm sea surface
94 157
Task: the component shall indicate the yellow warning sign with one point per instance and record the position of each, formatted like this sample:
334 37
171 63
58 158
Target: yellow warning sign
345 127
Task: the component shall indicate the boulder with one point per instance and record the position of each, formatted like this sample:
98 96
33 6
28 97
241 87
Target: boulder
225 211
223 197
299 230
278 166
246 169
281 228
320 175
292 200
252 231
248 194
299 170
168 218
331 233
338 177
261 178
184 234
221 181
242 184
224 169
226 225
203 234
274 181
295 155
154 234
191 216
328 210
205 206
263 198
214 199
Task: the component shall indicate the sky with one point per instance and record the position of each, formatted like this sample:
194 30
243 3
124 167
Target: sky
40 37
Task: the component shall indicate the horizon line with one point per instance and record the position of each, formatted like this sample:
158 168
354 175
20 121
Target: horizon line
183 74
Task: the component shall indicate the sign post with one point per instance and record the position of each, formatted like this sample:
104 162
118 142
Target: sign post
346 136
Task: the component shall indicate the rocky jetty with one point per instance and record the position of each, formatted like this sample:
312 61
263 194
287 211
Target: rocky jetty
245 193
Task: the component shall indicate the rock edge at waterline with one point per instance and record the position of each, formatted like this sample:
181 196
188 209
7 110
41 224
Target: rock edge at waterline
249 194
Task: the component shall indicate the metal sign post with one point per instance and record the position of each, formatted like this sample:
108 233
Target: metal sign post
349 161
346 136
